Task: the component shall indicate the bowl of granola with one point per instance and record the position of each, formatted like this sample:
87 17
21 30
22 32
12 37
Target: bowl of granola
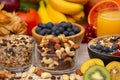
16 52
106 48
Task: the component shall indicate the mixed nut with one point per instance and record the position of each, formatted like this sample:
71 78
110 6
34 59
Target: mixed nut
38 75
16 51
57 53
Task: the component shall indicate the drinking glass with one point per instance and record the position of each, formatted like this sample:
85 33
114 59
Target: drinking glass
108 22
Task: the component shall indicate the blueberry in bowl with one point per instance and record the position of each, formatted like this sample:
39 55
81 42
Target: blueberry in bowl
72 31
106 48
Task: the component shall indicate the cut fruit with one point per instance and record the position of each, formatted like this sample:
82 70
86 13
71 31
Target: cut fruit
91 62
118 1
109 4
97 72
114 69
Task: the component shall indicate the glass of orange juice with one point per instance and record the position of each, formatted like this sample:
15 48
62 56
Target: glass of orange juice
108 22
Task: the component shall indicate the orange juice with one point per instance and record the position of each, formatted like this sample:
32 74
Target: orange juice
108 22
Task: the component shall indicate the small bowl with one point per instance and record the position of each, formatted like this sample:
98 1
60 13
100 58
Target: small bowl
105 57
76 38
16 52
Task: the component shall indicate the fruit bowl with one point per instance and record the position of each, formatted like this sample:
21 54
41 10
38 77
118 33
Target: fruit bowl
75 37
106 48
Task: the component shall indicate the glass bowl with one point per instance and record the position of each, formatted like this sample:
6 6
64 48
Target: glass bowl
16 52
54 61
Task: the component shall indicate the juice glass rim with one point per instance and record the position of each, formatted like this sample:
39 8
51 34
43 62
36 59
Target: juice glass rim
113 17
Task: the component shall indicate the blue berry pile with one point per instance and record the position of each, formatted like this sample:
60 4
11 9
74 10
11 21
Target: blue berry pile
49 28
104 49
107 45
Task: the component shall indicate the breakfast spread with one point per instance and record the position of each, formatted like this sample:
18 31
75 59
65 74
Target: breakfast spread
16 50
57 53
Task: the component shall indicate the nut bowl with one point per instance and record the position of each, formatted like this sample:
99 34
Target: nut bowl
56 55
106 48
76 37
16 52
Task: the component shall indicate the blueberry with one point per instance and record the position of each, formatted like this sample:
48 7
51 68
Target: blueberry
69 24
69 29
75 29
66 33
42 32
57 32
49 25
54 28
98 46
63 24
48 31
53 33
105 49
92 46
61 29
71 33
110 50
40 25
38 29
115 47
96 50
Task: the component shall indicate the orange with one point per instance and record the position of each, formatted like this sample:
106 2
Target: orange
92 16
118 1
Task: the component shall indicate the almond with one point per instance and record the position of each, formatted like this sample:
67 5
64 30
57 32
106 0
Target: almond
39 72
57 46
2 76
64 55
76 46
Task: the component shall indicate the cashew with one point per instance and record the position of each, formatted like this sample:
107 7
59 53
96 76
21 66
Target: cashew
58 53
43 54
32 70
67 49
24 74
47 61
62 49
71 42
65 77
45 75
63 38
72 76
68 59
56 63
71 53
78 77
66 45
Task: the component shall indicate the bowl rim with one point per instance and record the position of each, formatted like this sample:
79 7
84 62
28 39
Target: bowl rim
76 24
88 46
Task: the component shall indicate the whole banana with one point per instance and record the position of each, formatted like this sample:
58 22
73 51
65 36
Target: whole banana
79 16
43 13
66 7
70 19
55 15
78 1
